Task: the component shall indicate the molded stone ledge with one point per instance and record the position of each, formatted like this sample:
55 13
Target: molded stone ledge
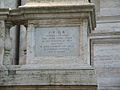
23 14
50 4
36 2
42 67
48 77
24 75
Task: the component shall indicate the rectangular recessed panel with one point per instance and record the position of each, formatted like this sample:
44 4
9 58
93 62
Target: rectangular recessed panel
57 41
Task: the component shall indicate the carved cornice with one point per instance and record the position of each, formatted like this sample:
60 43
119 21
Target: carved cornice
22 14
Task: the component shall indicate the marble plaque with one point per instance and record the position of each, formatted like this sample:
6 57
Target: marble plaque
57 41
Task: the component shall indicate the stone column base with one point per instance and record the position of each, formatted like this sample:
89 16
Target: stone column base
58 87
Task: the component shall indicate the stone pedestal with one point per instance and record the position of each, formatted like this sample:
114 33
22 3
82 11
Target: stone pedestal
58 44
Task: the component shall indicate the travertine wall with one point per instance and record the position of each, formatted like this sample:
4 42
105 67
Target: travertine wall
107 47
105 42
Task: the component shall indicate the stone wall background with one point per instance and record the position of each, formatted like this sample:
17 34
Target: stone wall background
106 43
107 49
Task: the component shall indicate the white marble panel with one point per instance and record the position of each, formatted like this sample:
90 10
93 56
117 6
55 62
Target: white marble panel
57 41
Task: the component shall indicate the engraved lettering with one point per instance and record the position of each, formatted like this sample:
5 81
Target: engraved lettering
57 41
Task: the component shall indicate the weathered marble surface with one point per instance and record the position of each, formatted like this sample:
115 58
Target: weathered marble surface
53 2
7 45
57 41
108 28
107 47
107 63
78 57
107 70
17 76
23 45
13 44
8 3
69 68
